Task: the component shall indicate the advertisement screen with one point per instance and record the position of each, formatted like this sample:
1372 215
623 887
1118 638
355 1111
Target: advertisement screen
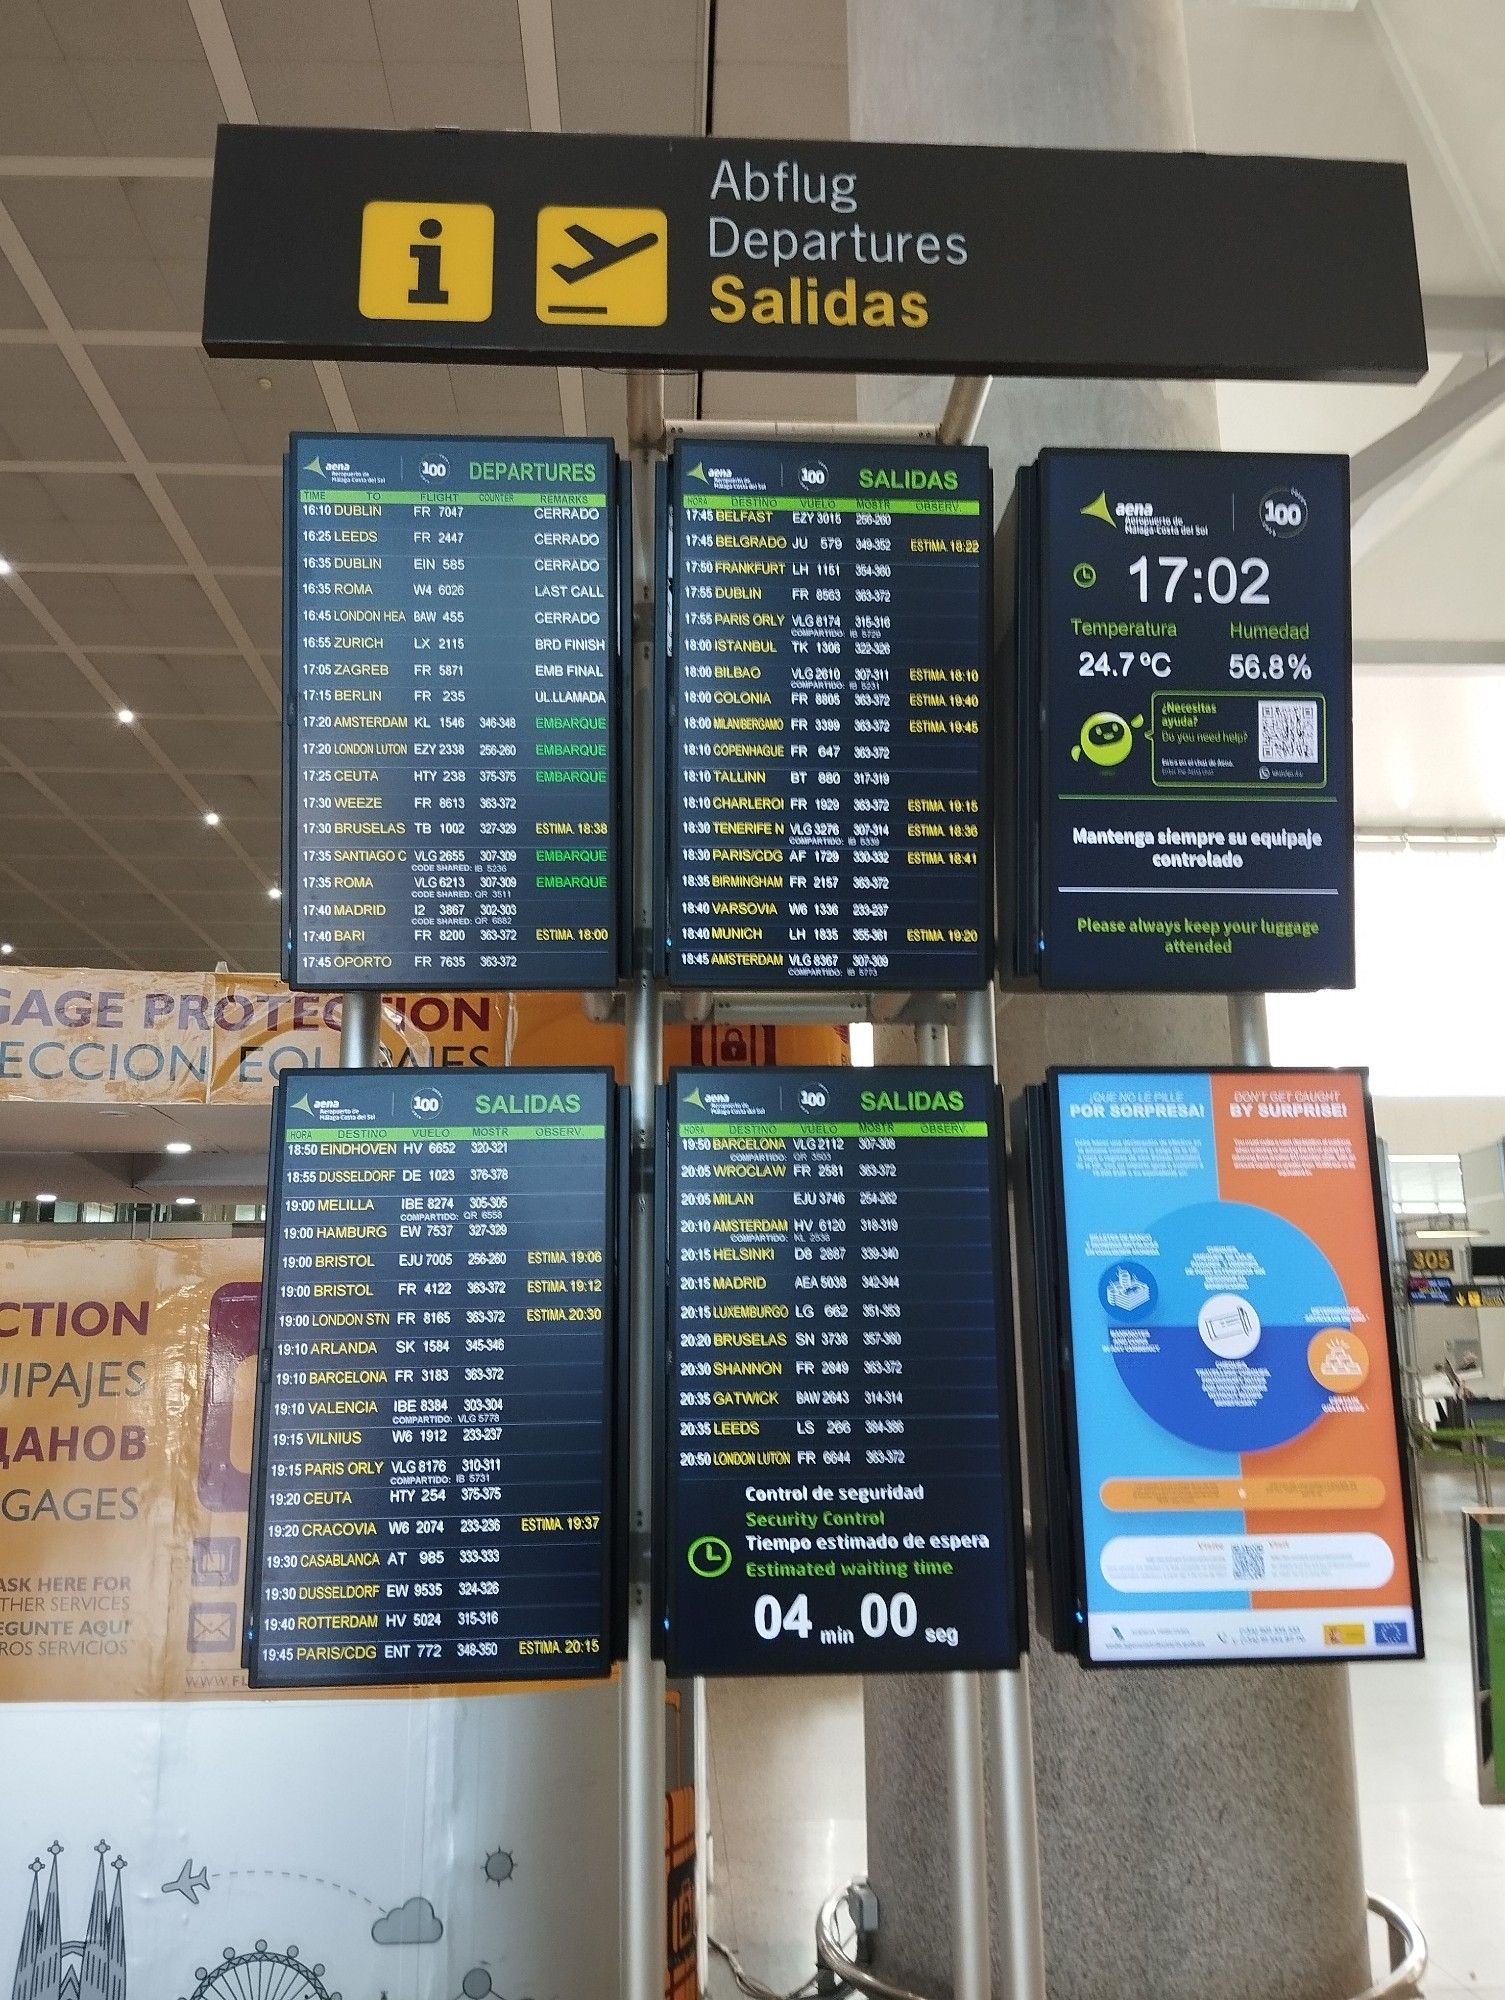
1230 1369
840 1433
432 1490
1194 676
826 714
449 800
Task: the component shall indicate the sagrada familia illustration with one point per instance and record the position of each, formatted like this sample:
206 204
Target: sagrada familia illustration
51 1967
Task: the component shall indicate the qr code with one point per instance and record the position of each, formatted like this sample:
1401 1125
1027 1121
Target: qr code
1248 1562
1288 732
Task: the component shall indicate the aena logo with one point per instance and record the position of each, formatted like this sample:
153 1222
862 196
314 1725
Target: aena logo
813 1099
425 1103
435 468
813 475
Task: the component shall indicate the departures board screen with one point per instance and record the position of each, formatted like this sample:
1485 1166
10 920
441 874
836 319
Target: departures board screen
838 1431
452 756
825 716
1185 716
432 1493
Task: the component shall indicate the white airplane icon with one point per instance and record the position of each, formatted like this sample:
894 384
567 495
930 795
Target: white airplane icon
188 1883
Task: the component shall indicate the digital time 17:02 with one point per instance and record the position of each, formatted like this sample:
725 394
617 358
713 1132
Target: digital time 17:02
1223 580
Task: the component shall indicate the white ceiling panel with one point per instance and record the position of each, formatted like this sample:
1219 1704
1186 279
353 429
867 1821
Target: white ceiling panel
291 92
485 95
258 599
211 689
210 747
42 684
85 742
42 109
171 109
16 623
128 610
631 96
122 30
234 520
334 31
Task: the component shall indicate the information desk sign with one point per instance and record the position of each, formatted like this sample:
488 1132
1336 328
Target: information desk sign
1186 801
451 773
839 1438
1234 1467
432 1499
825 717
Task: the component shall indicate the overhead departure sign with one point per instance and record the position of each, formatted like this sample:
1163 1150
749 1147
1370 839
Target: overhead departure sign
824 717
434 1440
838 1430
524 246
1221 1386
1185 669
451 796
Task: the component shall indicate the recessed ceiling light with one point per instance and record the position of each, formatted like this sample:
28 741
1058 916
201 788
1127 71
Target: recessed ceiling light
6 950
177 1146
211 819
46 1197
185 1201
125 715
275 893
263 381
5 567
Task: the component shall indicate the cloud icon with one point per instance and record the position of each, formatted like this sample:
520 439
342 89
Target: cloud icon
413 1922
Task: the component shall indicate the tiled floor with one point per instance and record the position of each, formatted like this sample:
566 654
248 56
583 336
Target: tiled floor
787 1797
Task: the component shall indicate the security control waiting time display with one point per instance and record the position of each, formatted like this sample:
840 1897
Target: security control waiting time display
825 715
1185 806
433 1478
451 771
837 1429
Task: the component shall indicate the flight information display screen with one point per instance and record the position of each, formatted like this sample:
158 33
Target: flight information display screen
433 1478
1188 802
824 726
451 779
839 1435
1230 1391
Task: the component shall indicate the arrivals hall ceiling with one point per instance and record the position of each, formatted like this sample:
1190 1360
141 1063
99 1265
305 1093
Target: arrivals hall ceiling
139 480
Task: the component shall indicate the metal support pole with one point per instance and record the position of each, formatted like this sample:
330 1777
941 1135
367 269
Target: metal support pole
967 1823
1016 1836
642 1680
1249 1026
963 411
360 1030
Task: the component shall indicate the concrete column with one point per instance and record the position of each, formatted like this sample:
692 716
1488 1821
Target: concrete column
1199 1830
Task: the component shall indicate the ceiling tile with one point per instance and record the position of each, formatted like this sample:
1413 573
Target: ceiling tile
171 109
478 31
70 218
648 96
129 610
749 31
16 622
16 309
42 109
43 833
44 413
505 401
486 95
214 686
335 31
44 684
27 33
234 520
660 32
258 599
173 215
322 93
398 396
116 293
86 742
58 874
782 100
124 30
209 747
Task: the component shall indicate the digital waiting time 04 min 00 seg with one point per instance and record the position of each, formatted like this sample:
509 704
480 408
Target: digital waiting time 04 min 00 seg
1223 580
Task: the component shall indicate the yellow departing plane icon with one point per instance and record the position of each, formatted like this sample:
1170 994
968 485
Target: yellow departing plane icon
609 265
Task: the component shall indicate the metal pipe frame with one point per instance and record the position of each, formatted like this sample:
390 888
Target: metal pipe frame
643 1917
754 430
360 1030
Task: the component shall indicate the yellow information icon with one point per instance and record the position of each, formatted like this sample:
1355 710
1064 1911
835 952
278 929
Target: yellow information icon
604 266
426 260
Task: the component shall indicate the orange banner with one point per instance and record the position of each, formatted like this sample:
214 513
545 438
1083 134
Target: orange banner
127 1376
91 1037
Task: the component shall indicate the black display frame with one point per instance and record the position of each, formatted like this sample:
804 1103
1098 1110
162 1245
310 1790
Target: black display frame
666 515
616 1282
617 544
1062 1471
1023 849
1006 1350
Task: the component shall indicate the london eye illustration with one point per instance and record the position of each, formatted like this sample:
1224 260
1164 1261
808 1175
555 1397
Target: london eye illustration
261 1974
